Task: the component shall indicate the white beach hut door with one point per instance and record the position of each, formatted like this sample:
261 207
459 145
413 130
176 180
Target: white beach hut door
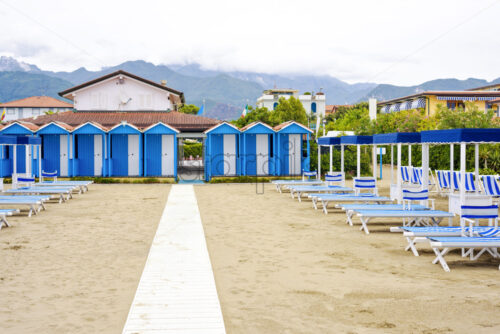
262 151
167 155
294 158
97 155
229 155
133 155
63 155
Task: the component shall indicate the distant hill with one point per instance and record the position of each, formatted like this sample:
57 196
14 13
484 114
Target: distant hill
18 85
224 93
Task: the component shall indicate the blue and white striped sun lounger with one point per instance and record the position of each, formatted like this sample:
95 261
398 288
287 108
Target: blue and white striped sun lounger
3 216
351 209
405 173
411 217
337 198
486 244
443 181
301 190
35 203
80 186
62 193
470 186
285 184
454 182
490 185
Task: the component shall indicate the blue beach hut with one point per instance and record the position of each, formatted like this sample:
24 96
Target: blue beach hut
89 148
257 149
291 148
160 150
23 154
221 151
5 141
125 150
56 148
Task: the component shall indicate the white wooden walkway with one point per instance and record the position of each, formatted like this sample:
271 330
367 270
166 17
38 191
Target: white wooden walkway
177 293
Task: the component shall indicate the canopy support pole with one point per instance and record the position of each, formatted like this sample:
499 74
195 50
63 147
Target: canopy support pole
425 166
398 173
40 178
392 164
14 168
331 159
319 161
462 174
342 158
358 160
374 158
476 167
452 167
409 156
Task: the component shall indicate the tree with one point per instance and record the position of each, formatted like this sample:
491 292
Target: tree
290 109
468 117
352 119
189 109
261 114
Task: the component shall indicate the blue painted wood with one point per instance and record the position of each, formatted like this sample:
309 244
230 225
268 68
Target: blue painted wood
217 155
160 129
21 159
125 129
51 153
119 154
294 128
259 129
250 157
15 129
85 155
153 155
225 129
88 129
52 129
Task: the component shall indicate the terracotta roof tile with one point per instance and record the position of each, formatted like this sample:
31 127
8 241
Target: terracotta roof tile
37 102
180 121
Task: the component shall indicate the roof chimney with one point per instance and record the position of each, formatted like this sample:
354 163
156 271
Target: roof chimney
164 82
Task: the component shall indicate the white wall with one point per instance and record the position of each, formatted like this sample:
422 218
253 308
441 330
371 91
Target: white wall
17 113
109 95
269 100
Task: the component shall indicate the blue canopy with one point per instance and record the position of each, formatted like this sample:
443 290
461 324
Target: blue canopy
356 140
7 140
397 137
28 140
326 141
461 136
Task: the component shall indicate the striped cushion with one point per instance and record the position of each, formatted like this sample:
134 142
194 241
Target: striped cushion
442 179
490 185
25 179
479 212
453 177
365 183
415 195
405 174
334 177
416 176
49 174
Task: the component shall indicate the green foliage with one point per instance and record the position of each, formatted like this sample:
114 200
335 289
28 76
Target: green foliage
249 179
470 117
192 149
403 121
290 109
350 165
189 109
110 180
352 119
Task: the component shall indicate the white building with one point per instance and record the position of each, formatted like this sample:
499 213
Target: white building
313 104
33 106
122 91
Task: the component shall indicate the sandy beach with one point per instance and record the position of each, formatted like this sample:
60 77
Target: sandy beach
75 267
282 267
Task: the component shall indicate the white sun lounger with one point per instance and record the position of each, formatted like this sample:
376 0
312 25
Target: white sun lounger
80 186
301 190
351 209
485 244
327 198
62 193
410 217
3 216
35 205
284 184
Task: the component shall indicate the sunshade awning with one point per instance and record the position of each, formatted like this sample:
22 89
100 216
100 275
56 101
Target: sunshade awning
397 137
461 136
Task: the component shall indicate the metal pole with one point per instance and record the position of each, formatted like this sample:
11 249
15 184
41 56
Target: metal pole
358 160
380 151
319 162
398 173
374 160
342 158
331 158
392 164
476 167
462 174
409 156
425 166
452 158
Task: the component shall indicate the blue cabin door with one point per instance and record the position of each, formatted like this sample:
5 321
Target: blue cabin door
119 154
84 153
21 159
262 152
50 159
167 155
153 154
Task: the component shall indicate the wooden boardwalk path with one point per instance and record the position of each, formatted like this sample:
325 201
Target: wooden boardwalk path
177 293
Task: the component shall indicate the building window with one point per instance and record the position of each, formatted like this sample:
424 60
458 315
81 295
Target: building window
11 111
313 107
36 111
275 105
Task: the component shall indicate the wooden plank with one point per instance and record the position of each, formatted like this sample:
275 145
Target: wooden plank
177 292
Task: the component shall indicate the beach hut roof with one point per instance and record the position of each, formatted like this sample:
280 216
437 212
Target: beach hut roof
248 127
461 136
356 140
397 137
63 126
153 126
281 127
327 141
29 127
124 127
92 124
222 125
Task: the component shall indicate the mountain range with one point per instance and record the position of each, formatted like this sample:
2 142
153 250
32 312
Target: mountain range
224 93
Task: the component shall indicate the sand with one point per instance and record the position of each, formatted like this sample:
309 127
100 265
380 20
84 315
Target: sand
75 267
282 267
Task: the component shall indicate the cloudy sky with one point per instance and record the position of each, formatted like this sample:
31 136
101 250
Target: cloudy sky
388 41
